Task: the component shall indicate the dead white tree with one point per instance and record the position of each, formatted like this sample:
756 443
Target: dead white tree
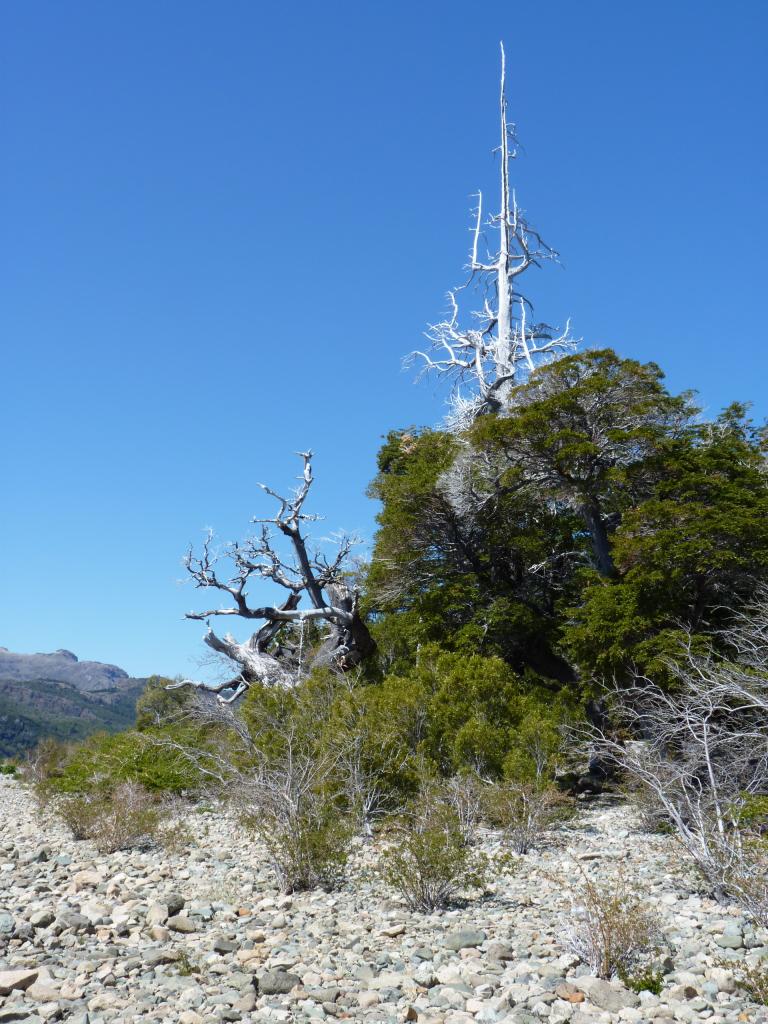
273 655
504 343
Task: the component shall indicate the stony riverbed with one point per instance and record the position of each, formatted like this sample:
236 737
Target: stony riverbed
205 936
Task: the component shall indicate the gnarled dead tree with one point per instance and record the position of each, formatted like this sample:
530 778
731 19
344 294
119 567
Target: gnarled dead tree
270 655
505 342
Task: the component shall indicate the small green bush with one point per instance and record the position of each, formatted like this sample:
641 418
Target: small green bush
7 769
308 852
611 930
297 810
186 966
525 811
126 817
649 980
430 862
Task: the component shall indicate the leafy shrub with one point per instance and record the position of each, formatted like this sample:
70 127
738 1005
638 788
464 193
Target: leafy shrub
118 820
368 734
474 709
455 716
186 966
430 862
310 850
296 811
109 787
7 769
466 714
525 811
158 706
79 814
537 742
649 980
612 931
753 978
686 554
104 760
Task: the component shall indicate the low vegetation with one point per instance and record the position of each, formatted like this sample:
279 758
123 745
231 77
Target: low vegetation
526 811
297 809
429 862
612 930
753 978
700 756
118 819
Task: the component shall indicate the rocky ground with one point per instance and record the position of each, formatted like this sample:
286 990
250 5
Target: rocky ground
205 936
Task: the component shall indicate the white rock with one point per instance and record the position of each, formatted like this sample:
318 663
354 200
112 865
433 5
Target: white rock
367 999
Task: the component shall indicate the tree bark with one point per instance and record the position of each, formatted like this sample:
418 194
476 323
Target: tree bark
601 544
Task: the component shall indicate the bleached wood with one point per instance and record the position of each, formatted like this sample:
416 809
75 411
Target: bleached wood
333 601
504 345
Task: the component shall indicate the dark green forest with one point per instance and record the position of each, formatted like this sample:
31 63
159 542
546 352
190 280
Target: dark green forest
584 535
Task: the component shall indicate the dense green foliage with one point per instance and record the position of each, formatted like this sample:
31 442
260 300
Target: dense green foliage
430 862
439 576
587 531
147 755
103 761
687 555
447 713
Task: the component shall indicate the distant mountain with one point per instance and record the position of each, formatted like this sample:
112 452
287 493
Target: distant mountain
57 695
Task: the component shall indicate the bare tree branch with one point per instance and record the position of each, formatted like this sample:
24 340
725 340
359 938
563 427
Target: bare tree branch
504 345
323 580
701 752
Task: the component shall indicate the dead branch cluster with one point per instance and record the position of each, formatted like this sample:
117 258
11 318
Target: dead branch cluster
273 653
503 342
701 755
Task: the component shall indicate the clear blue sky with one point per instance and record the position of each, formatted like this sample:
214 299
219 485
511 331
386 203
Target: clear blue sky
225 223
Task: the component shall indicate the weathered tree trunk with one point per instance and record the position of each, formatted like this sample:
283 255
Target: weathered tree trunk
500 347
262 659
601 544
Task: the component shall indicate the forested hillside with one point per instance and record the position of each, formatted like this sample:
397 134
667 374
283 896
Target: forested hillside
58 696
